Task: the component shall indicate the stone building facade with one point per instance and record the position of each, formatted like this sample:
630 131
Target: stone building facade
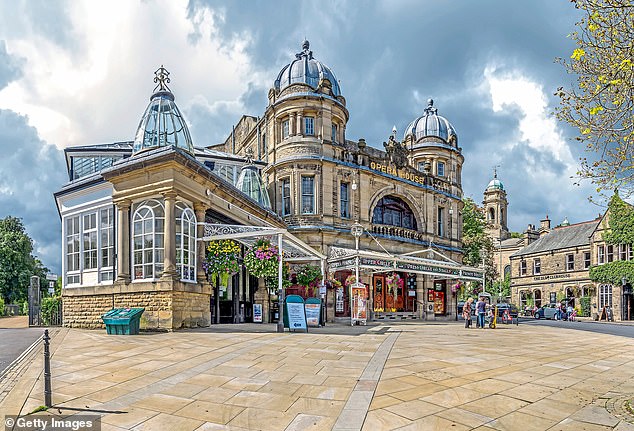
134 213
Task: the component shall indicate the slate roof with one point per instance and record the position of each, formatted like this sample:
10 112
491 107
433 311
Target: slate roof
561 237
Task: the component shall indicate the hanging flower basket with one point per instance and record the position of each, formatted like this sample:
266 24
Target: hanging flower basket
393 281
262 260
350 280
221 260
456 287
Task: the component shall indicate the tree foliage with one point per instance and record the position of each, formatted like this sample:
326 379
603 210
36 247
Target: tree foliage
620 228
613 272
17 264
476 244
601 106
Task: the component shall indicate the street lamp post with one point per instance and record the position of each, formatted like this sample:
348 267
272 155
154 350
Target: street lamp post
357 230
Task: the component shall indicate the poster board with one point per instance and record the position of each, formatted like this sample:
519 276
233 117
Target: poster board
294 314
257 313
359 303
312 307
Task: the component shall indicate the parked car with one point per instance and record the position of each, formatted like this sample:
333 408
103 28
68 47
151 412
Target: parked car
548 311
512 309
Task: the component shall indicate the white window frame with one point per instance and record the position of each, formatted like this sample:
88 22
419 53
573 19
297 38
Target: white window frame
90 242
72 233
344 204
309 126
106 244
286 196
537 266
609 253
308 194
605 295
186 243
150 270
440 169
600 255
570 261
286 128
523 267
333 133
586 260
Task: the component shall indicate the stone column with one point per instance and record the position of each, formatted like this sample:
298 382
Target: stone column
169 231
291 124
200 209
123 241
299 124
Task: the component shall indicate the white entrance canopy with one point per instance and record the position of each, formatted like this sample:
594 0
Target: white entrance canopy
438 265
295 250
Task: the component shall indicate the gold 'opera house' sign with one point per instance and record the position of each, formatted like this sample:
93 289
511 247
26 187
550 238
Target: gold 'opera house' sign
405 174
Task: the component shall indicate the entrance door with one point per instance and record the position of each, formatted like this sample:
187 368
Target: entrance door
379 292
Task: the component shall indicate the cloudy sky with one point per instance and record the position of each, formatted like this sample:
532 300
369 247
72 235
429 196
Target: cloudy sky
80 72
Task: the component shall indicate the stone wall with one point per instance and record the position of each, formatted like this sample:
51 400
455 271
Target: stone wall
168 305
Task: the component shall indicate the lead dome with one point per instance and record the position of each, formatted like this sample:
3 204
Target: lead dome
306 70
430 124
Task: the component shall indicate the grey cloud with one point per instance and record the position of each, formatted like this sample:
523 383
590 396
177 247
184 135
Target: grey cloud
30 171
10 66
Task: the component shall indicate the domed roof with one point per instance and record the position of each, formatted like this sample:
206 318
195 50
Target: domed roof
431 124
565 222
250 183
162 123
305 69
495 183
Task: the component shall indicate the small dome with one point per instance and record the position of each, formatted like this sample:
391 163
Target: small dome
305 69
495 183
162 123
565 222
431 124
250 183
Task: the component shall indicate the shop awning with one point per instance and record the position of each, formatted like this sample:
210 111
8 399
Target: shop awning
437 265
295 250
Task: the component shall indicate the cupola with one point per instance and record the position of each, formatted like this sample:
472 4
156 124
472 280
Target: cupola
430 124
306 70
162 124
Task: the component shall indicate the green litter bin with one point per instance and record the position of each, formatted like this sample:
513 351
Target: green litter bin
123 321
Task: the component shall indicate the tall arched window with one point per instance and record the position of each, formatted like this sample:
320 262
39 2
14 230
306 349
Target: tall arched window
147 240
491 214
393 211
185 242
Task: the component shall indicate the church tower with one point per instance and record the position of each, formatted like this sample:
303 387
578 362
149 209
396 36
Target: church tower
495 207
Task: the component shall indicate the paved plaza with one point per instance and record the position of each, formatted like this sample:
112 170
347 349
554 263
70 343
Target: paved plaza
406 376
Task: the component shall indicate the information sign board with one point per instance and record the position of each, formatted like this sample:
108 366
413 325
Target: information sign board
313 310
296 315
257 313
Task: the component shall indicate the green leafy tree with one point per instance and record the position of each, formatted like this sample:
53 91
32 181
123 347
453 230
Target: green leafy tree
477 246
17 264
601 106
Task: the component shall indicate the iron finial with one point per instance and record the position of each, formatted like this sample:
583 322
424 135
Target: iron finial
162 78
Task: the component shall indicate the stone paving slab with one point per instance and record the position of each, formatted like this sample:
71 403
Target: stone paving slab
413 376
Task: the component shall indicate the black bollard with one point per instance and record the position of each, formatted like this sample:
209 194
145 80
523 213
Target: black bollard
47 371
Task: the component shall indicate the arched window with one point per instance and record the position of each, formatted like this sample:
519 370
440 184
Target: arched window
147 240
393 211
185 242
491 214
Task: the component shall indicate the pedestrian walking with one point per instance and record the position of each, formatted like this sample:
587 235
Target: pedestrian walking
558 311
466 312
481 310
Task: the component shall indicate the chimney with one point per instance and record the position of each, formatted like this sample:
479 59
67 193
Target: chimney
544 227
